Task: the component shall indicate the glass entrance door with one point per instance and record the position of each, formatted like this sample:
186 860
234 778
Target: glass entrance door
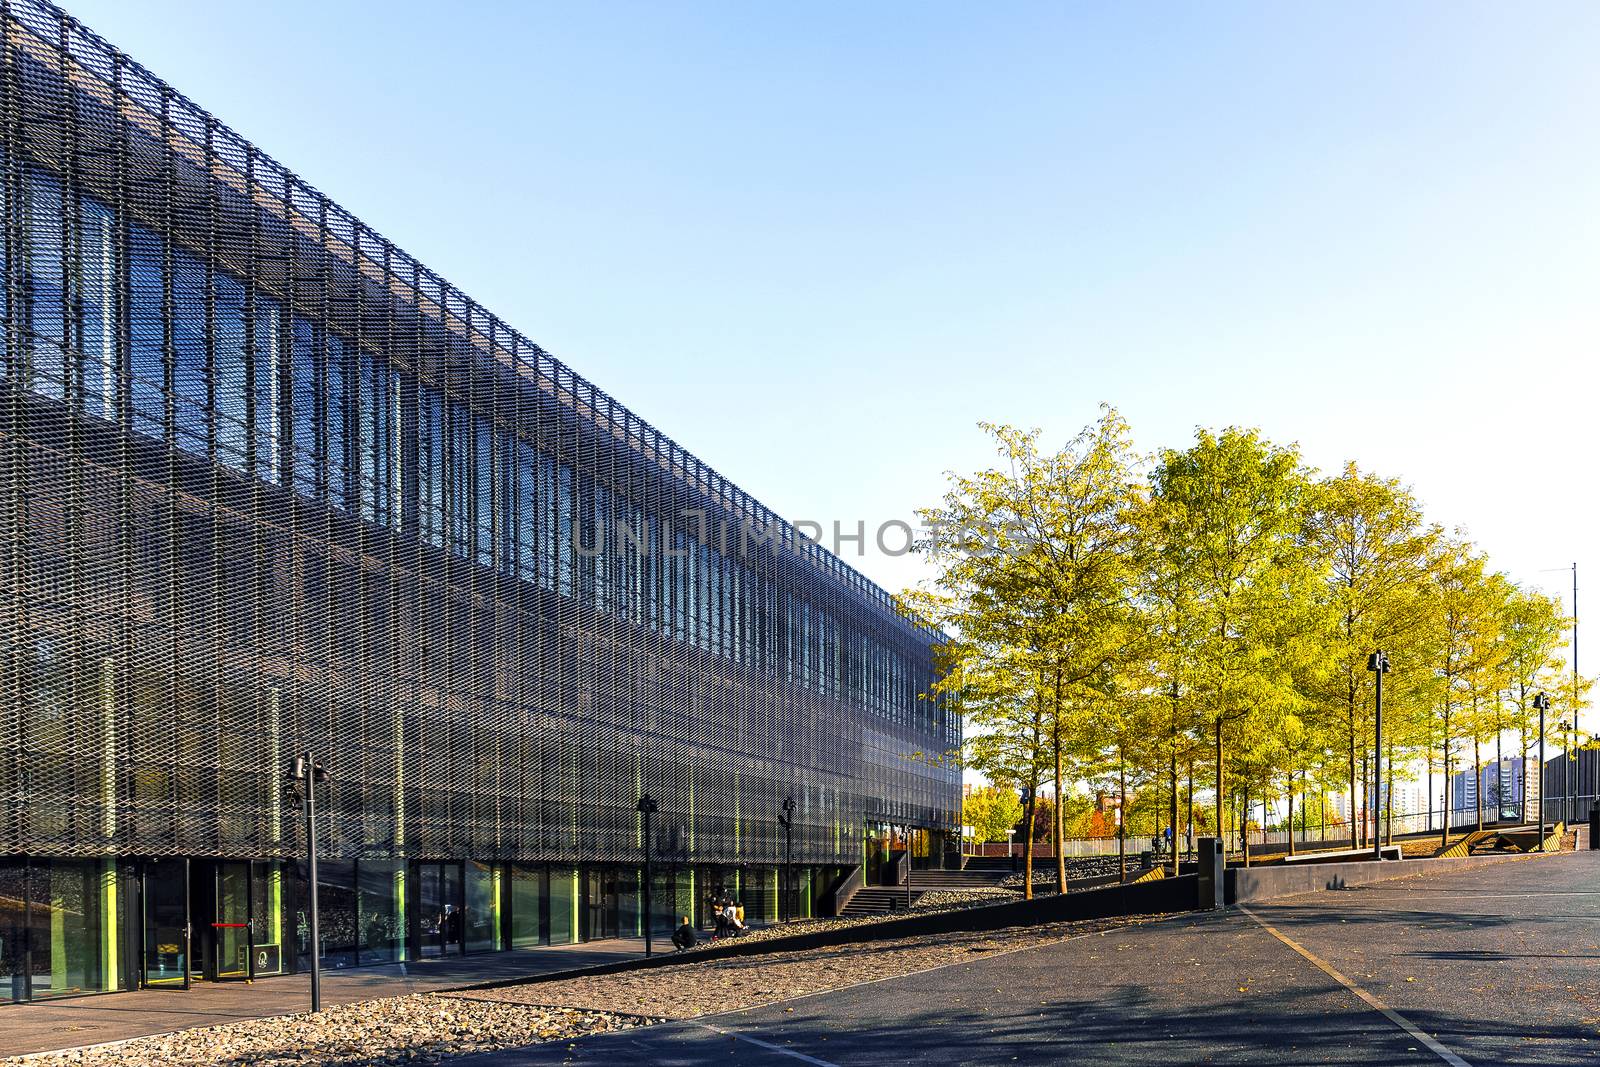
439 904
598 917
231 922
164 888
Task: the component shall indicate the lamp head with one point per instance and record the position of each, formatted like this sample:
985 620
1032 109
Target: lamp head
1378 662
646 805
304 766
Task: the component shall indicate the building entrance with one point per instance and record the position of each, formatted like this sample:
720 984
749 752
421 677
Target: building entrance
598 915
209 920
440 910
164 891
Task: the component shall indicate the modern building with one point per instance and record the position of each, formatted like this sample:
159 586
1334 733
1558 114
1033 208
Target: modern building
1500 782
268 486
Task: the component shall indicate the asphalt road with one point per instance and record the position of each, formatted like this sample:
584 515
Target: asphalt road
1496 965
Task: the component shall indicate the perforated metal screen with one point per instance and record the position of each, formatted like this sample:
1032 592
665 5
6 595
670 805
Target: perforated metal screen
269 484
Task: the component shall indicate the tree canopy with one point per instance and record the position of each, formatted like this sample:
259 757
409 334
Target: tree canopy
1200 619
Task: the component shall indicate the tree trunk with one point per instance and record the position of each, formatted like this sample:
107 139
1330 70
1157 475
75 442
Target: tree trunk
1389 807
1122 815
1366 795
1221 835
1172 810
1244 826
1523 791
1189 830
1477 775
1355 821
1444 838
1499 774
1027 848
1033 794
1289 785
1059 820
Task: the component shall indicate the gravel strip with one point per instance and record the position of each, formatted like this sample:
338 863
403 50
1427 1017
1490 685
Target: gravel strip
932 901
417 1029
1077 867
717 985
427 1028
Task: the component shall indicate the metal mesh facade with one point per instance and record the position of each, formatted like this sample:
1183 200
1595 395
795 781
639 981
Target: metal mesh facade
267 484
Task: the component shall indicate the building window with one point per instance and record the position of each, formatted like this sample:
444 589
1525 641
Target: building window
147 332
99 382
378 442
305 390
232 373
191 394
431 466
483 495
341 415
45 344
265 355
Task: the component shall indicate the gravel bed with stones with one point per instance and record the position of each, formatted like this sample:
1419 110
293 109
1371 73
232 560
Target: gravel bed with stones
718 985
931 901
421 1028
1077 867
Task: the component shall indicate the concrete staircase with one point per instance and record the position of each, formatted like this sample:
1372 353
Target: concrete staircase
1003 864
879 900
970 878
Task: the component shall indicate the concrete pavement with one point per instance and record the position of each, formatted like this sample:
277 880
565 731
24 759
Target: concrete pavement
1494 965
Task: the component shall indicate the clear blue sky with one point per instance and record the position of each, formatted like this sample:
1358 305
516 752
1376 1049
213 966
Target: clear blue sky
816 243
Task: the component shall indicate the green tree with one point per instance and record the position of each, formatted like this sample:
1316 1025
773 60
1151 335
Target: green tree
1039 570
1533 627
1369 534
992 812
1231 509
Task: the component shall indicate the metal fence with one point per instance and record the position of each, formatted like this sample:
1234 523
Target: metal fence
1316 834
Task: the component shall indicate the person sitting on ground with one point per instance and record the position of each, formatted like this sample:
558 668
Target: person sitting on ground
730 916
683 937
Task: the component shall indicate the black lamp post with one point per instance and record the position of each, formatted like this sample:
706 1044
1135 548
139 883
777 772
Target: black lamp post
646 808
1542 702
786 820
1378 664
306 772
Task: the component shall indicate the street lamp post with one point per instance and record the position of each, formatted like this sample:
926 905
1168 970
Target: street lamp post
646 808
306 772
1378 664
786 820
1569 800
1542 702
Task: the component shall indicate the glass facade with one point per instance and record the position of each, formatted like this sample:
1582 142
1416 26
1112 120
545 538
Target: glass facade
269 486
58 928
